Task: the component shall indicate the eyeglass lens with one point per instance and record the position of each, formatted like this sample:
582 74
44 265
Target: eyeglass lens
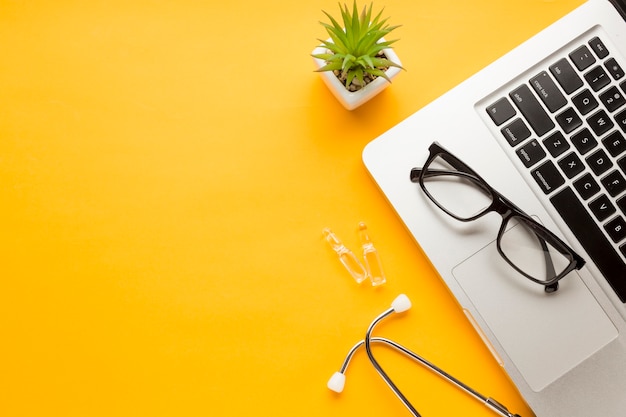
532 254
457 192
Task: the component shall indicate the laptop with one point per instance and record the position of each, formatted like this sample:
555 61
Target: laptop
545 125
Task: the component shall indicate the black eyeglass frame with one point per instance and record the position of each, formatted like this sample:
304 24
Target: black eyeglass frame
503 206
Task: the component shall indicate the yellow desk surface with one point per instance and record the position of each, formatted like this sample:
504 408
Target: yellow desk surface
166 169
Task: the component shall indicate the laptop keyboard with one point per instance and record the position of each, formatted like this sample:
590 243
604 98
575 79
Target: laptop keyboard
567 126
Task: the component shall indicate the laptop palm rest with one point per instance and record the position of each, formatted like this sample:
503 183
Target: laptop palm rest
542 333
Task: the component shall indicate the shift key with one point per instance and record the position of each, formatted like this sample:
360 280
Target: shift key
532 110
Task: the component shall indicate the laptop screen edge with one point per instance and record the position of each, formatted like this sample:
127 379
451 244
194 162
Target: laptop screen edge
620 5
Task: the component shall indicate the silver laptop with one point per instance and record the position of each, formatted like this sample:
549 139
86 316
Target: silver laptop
545 126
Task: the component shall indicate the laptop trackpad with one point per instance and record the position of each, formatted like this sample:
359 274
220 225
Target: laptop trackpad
545 335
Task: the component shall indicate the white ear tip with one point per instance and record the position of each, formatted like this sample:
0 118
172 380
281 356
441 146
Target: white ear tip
401 303
336 382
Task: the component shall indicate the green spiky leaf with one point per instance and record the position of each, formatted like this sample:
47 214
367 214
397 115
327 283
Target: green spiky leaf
355 45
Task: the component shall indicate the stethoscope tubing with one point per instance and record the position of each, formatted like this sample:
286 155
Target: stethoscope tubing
369 339
379 369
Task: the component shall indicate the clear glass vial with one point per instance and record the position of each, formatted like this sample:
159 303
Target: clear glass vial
372 260
346 256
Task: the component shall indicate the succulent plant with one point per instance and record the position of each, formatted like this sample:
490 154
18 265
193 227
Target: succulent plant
355 49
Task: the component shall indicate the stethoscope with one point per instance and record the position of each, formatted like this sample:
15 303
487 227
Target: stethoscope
399 305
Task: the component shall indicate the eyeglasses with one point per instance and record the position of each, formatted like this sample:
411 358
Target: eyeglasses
526 245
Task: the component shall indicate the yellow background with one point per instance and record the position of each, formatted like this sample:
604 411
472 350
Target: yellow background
166 169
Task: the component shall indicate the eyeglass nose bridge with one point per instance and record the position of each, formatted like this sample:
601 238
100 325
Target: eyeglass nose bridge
504 207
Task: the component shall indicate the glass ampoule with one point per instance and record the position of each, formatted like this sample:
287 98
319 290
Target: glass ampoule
346 256
372 260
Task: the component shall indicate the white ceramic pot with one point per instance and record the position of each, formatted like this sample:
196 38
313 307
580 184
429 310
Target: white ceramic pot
353 99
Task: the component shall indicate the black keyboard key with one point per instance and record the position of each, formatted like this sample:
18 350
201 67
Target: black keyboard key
501 111
569 120
600 122
532 110
584 141
548 177
616 229
599 48
613 99
597 78
599 162
614 69
602 208
566 75
585 101
592 240
582 58
516 132
620 119
615 143
548 92
586 186
571 165
614 183
556 144
531 153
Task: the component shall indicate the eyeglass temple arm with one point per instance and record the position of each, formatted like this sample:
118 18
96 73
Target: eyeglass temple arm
490 402
435 172
454 163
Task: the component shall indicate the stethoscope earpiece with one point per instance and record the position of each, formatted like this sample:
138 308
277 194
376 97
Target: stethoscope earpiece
336 382
401 303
